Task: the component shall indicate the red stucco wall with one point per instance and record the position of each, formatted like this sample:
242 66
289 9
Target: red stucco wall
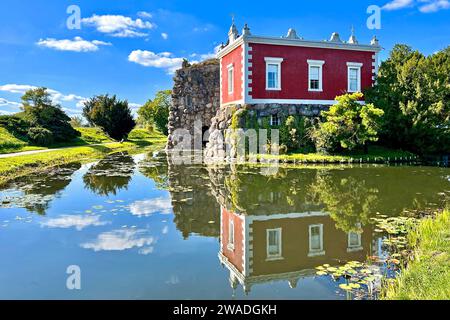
294 71
235 57
234 256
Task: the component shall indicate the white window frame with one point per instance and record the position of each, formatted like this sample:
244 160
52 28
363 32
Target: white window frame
354 247
358 66
319 64
230 82
278 120
274 61
231 239
320 251
280 251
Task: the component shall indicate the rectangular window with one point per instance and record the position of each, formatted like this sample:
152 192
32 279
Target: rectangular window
315 75
354 76
354 239
273 73
231 234
230 79
316 240
314 80
274 120
354 242
273 243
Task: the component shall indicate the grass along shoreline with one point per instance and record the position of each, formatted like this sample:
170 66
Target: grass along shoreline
17 166
427 276
376 154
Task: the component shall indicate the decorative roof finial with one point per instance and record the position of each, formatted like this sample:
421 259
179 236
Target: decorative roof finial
375 42
246 30
233 33
292 34
335 37
352 39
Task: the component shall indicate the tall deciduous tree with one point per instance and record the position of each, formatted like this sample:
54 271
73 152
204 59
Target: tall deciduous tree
46 118
414 92
156 112
113 116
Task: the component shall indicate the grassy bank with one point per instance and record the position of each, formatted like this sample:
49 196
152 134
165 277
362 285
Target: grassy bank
11 144
428 275
376 154
14 167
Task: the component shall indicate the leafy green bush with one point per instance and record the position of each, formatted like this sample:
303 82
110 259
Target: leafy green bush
40 136
348 125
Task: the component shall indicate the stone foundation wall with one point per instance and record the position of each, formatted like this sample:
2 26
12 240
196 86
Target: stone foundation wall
195 97
216 146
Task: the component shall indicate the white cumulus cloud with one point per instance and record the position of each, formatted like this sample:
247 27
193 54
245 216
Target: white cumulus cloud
163 60
164 35
78 44
434 5
56 96
398 4
149 207
78 222
425 6
119 26
119 240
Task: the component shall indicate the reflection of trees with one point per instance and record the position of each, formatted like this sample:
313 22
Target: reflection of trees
195 208
247 191
110 174
351 195
155 169
349 201
40 189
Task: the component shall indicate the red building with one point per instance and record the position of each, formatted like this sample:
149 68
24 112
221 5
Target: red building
292 73
261 248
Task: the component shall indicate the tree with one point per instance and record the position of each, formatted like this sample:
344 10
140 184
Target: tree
76 121
156 112
47 120
113 116
348 125
414 92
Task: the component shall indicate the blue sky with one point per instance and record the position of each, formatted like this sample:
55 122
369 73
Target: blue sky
131 47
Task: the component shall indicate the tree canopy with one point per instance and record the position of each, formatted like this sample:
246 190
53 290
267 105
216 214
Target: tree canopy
414 92
48 122
156 112
111 114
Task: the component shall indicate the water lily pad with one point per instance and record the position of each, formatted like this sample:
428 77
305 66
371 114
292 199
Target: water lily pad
345 286
321 273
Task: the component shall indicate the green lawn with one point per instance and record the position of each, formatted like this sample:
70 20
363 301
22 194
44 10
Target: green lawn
11 144
375 154
427 276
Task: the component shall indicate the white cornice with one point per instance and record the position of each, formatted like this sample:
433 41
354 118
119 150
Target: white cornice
297 43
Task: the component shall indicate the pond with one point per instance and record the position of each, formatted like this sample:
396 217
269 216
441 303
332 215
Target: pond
141 227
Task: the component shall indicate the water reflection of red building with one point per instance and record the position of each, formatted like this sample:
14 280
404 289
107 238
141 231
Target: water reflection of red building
263 248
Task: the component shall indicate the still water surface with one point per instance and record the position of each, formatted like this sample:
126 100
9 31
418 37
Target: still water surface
140 227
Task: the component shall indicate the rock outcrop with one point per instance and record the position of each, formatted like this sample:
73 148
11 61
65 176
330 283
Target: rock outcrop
195 97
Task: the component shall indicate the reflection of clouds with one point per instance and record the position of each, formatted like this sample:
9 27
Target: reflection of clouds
165 230
173 280
78 222
118 240
149 207
146 251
